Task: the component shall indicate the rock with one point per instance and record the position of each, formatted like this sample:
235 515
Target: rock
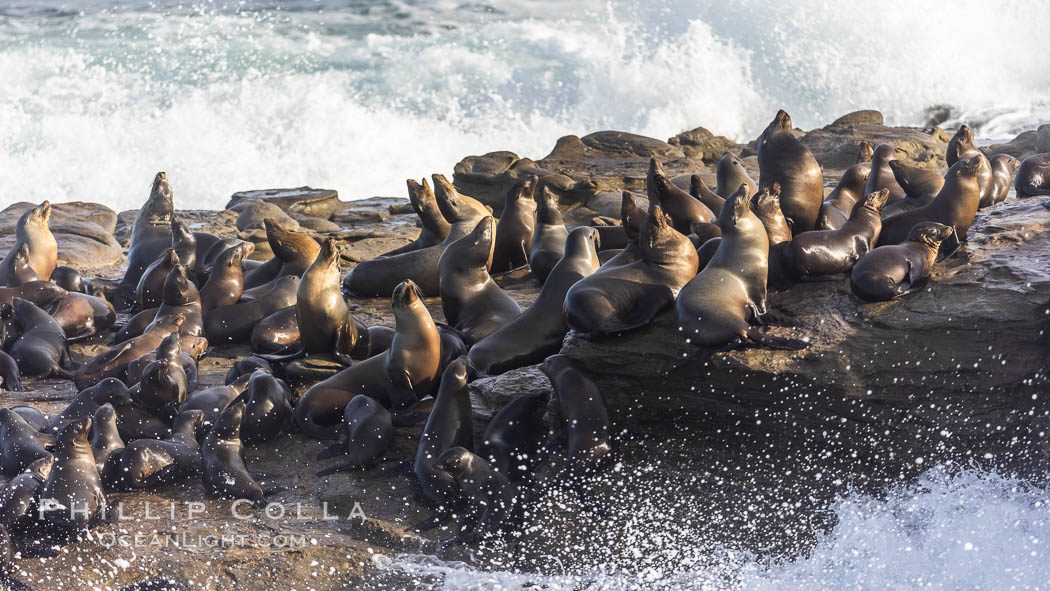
1021 147
306 371
490 394
1042 139
251 216
836 147
701 144
613 144
864 117
320 203
489 177
317 224
75 211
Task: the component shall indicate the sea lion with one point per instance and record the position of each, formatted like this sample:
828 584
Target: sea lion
435 226
766 205
326 325
516 437
516 227
1033 176
105 439
293 253
180 298
369 432
706 251
493 504
212 401
114 361
20 443
539 331
631 217
246 367
267 410
85 403
150 236
783 159
472 302
34 417
137 368
682 207
73 489
21 269
226 281
20 495
619 299
955 205
890 271
396 378
730 174
233 324
150 290
379 276
225 474
718 307
33 231
962 147
68 279
276 332
704 231
831 252
835 209
41 293
920 184
548 239
41 349
699 190
1003 168
10 379
184 242
82 316
881 176
134 421
163 385
207 262
149 463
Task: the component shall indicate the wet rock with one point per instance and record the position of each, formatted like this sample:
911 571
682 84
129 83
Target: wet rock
1020 147
320 203
490 394
251 216
613 144
837 146
701 144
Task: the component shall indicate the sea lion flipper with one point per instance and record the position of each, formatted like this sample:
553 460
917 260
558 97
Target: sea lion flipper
99 361
774 342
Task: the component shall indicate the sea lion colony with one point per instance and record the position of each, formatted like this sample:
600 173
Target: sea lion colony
139 420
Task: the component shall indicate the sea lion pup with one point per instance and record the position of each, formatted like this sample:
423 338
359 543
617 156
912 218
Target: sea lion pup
783 159
68 279
835 209
41 349
184 242
516 437
379 276
369 431
435 226
493 503
699 190
293 253
20 495
33 231
267 410
105 439
1033 176
276 333
891 271
962 147
137 368
150 236
619 299
233 324
450 424
831 252
682 207
718 307
516 227
472 302
631 217
73 489
225 474
246 367
730 174
149 463
212 401
1003 168
10 379
538 332
920 184
163 385
226 281
882 176
21 269
114 362
548 239
83 316
396 378
20 443
955 205
150 290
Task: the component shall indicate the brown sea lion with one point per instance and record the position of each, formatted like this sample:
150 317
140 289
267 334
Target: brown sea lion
766 205
962 147
882 176
163 385
222 454
185 244
548 240
41 293
1033 176
618 299
150 290
682 207
704 232
730 174
369 432
293 253
225 283
435 226
41 349
835 209
10 379
783 159
114 361
893 270
150 236
68 279
180 296
275 333
74 486
233 324
699 190
150 463
516 227
920 184
33 231
1004 166
515 438
326 325
706 251
267 409
22 270
20 443
82 316
105 439
631 217
831 252
955 205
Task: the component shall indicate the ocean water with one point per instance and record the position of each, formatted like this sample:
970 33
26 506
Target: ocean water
358 95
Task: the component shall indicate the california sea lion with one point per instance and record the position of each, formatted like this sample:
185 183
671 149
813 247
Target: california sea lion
548 240
33 231
226 281
212 401
718 307
233 324
955 205
114 361
73 489
369 432
184 242
831 252
189 365
766 205
920 184
20 443
631 217
276 332
293 253
163 385
41 350
267 410
893 270
326 325
10 379
149 463
730 174
493 503
33 416
20 495
246 367
150 236
180 298
41 293
68 279
516 437
225 474
539 331
1003 168
783 159
962 147
618 299
704 231
435 226
82 316
682 207
134 421
882 176
516 227
85 403
471 300
150 290
699 190
1033 176
21 269
835 209
706 251
105 439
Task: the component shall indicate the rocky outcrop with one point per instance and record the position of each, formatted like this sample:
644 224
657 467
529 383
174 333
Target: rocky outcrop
835 146
701 144
321 203
1020 147
253 213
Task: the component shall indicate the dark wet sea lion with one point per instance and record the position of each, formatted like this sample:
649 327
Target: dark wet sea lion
82 316
516 226
718 307
180 298
730 174
41 349
246 367
85 403
783 159
766 205
493 506
41 293
893 270
133 420
368 433
516 436
539 331
20 495
150 290
189 366
105 439
163 385
276 332
33 231
882 176
326 325
215 251
920 184
225 474
68 279
293 253
435 226
706 252
267 410
225 283
184 243
74 483
835 209
1033 176
831 252
472 302
548 239
955 205
33 416
632 217
212 401
682 207
21 269
149 463
618 299
704 232
10 379
150 236
450 424
1004 166
20 443
114 361
699 190
233 324
962 147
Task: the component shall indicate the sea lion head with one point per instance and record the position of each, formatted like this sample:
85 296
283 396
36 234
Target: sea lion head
189 420
178 289
583 237
169 349
105 414
37 217
459 372
884 152
110 390
234 256
329 254
75 433
930 234
767 201
406 295
631 215
290 247
547 211
228 425
524 189
736 211
864 153
457 461
41 468
161 202
659 240
454 205
780 123
967 168
22 259
965 134
478 244
421 196
874 201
